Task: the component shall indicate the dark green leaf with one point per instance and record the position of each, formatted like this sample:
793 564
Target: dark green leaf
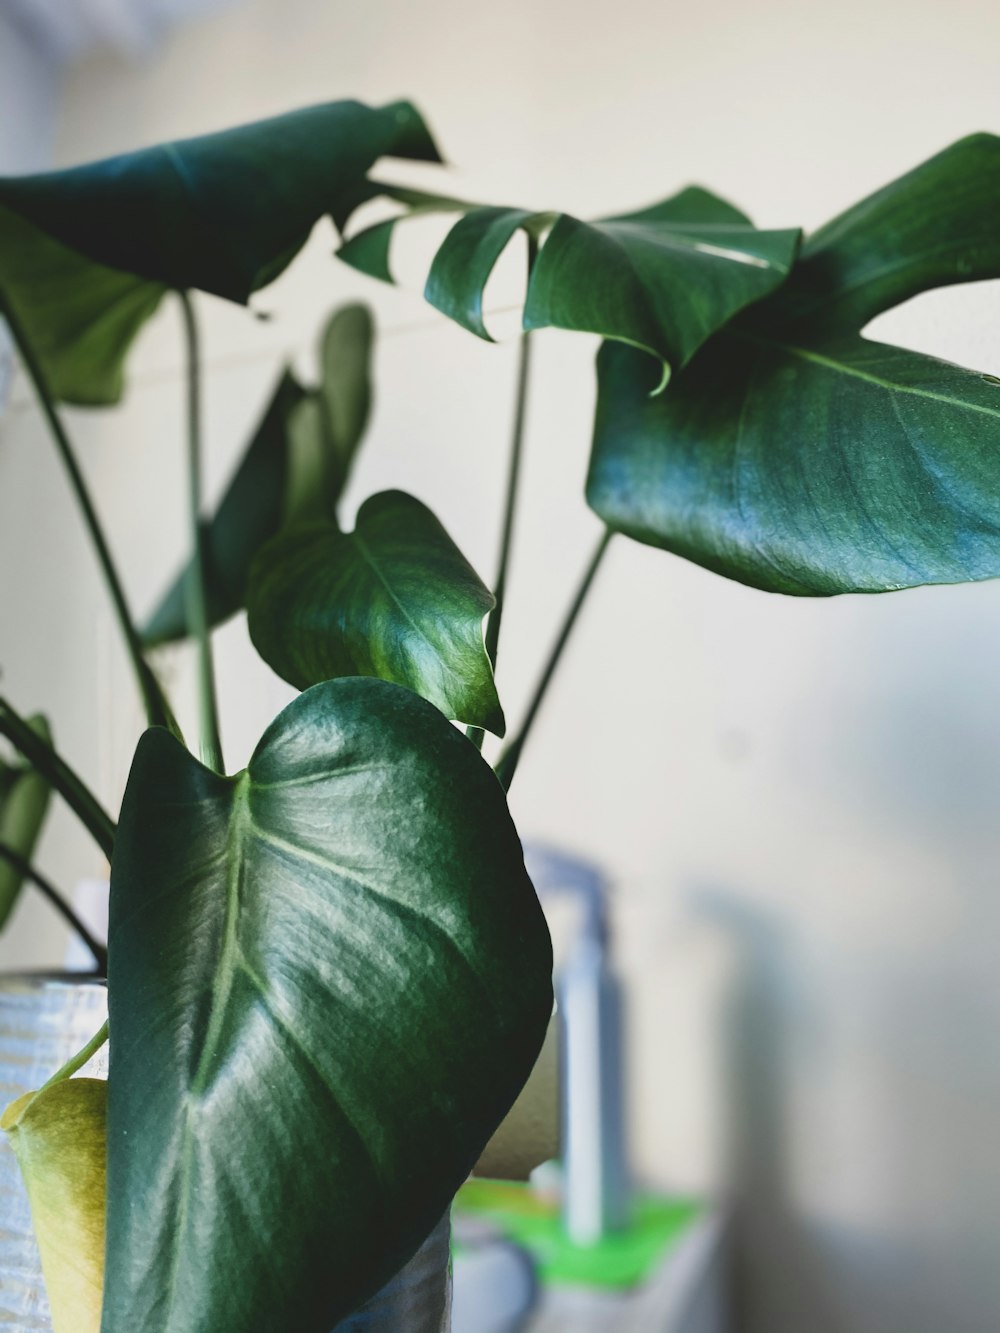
85 253
811 469
395 598
663 278
368 249
296 467
24 800
469 254
225 212
934 226
329 978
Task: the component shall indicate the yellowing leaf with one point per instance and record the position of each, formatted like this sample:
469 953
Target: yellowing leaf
59 1138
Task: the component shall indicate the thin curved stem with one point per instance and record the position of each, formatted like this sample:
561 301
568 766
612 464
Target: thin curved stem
157 710
509 759
77 1061
211 746
49 891
60 776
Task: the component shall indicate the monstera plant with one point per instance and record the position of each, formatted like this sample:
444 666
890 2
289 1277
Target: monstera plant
328 974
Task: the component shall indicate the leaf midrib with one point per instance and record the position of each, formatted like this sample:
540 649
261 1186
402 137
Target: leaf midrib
222 989
852 372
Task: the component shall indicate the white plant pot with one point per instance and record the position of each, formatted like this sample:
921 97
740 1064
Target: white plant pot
44 1020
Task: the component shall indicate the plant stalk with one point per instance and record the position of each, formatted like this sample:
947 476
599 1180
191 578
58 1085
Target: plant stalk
476 734
60 776
157 710
511 755
49 891
211 745
80 1059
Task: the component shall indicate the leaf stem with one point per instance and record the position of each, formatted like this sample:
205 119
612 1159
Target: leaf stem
70 787
211 746
511 755
80 1059
157 710
476 734
513 478
24 867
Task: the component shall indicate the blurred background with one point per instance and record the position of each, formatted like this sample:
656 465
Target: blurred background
797 802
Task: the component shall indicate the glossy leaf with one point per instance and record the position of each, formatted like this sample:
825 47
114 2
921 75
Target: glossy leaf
811 469
663 278
225 213
329 978
462 266
58 1137
295 467
24 801
934 226
395 598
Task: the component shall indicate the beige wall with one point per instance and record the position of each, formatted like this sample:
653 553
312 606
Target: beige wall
798 799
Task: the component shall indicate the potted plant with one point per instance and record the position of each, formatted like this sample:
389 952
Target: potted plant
328 974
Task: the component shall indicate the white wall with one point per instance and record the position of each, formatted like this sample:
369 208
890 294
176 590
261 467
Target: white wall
798 798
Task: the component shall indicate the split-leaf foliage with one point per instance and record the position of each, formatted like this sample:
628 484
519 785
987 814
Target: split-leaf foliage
329 974
798 456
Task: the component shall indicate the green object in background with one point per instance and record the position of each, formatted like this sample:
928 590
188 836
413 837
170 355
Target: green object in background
617 1262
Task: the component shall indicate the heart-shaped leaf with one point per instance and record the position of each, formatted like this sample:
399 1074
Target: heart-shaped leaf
814 469
24 800
58 1137
296 467
86 253
934 226
395 598
664 278
330 976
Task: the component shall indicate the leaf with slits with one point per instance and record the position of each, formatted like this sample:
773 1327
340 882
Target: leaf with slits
58 1137
395 598
87 252
24 801
663 278
934 226
330 977
822 468
295 467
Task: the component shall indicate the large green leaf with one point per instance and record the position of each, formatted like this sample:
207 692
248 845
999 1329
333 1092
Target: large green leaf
395 598
818 468
58 1137
329 978
934 226
86 253
296 467
24 800
663 278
